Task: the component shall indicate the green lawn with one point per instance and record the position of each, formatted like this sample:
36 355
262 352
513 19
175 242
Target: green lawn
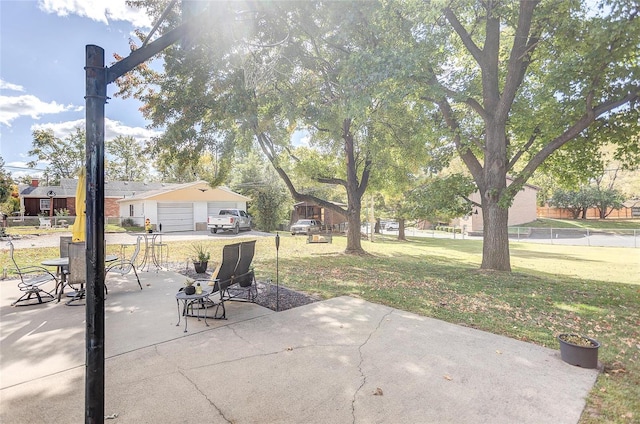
591 224
553 289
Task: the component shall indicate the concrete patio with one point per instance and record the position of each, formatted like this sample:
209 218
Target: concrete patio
336 361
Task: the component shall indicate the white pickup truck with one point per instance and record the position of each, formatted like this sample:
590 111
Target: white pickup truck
229 219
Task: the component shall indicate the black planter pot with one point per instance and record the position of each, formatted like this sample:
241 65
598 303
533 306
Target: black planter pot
190 290
201 267
581 356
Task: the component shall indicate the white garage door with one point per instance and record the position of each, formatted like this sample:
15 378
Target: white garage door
214 207
175 217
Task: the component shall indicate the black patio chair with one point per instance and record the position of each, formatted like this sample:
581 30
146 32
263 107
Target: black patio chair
125 266
32 278
243 287
222 278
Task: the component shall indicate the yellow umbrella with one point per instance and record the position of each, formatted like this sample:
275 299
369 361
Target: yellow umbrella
80 225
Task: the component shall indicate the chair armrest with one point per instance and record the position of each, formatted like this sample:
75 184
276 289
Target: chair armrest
32 269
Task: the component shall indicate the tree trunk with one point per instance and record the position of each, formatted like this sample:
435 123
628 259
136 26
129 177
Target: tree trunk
495 248
495 219
401 232
354 243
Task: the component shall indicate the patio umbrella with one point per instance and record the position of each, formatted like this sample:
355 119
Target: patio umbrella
80 225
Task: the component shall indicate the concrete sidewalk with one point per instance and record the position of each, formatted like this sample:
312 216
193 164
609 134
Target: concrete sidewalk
336 361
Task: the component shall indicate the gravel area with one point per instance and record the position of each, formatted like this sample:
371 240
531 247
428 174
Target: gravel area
275 298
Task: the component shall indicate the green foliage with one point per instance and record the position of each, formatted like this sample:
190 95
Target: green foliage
6 183
257 180
61 212
441 198
607 200
64 157
577 202
126 160
200 252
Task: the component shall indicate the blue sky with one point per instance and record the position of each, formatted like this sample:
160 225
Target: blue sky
42 80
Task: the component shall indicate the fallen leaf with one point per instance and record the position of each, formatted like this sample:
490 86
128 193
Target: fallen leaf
377 392
290 348
447 377
498 352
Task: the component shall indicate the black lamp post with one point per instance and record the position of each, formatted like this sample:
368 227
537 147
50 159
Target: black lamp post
277 274
98 76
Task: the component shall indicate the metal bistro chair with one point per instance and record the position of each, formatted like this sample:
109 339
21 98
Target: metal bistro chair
31 285
125 266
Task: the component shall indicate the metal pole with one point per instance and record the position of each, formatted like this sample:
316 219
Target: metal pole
277 274
96 97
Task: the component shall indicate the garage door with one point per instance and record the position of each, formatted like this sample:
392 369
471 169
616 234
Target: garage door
175 217
214 207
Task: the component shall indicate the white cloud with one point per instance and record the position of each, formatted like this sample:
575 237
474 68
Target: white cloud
13 107
112 129
8 86
97 10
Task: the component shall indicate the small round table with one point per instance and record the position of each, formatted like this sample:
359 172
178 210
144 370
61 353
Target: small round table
188 300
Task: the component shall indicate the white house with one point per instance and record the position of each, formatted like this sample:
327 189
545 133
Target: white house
522 210
181 207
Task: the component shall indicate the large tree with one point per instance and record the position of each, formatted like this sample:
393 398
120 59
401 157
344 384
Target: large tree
63 157
517 81
319 67
127 160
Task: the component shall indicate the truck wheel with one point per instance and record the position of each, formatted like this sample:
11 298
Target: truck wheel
236 229
214 230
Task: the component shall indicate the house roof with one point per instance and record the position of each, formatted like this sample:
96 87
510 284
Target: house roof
315 204
67 188
193 191
136 190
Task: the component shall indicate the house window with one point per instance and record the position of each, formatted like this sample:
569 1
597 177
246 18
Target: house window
131 210
45 204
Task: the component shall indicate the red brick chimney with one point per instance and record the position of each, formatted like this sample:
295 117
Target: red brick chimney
34 182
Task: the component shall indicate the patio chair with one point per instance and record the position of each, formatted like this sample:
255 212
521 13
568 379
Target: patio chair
77 276
32 277
63 271
243 287
222 278
125 266
44 223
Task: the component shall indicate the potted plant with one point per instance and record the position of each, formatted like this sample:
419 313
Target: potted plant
189 287
579 350
201 258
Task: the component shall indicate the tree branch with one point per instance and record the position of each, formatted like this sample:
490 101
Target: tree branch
465 153
519 58
464 35
520 152
587 119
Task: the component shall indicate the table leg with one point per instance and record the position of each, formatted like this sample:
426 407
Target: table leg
205 312
178 303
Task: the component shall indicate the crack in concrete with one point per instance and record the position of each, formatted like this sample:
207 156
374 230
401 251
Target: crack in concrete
364 377
206 397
